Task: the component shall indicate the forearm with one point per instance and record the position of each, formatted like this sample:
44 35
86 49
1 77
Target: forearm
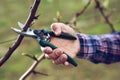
100 48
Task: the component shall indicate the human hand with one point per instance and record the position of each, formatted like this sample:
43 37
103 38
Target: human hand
71 47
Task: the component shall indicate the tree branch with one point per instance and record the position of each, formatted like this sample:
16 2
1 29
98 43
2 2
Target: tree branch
74 20
107 19
36 72
30 56
28 22
31 69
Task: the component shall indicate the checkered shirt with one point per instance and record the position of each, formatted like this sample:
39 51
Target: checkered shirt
104 48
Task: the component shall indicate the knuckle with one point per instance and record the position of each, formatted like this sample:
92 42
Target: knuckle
63 58
57 52
47 50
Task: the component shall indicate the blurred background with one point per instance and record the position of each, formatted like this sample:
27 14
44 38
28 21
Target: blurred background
90 22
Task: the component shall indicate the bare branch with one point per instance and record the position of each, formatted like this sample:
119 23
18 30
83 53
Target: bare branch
2 42
74 20
32 68
20 37
36 72
106 17
83 10
30 56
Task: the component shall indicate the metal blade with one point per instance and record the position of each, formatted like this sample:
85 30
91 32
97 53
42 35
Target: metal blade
20 25
28 34
16 30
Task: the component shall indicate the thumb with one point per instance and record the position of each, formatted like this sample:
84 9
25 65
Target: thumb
57 28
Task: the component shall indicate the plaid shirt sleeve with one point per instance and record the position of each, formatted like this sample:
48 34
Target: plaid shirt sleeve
103 48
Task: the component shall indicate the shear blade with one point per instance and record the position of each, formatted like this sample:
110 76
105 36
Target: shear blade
28 33
16 30
20 25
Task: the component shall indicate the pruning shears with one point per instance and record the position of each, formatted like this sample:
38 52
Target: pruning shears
43 37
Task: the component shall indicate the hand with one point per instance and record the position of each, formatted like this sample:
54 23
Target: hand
71 47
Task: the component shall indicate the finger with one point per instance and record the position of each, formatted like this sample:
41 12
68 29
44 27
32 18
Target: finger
57 28
62 59
55 54
47 56
66 63
47 50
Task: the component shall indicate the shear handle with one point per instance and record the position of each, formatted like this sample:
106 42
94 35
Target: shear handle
51 33
63 35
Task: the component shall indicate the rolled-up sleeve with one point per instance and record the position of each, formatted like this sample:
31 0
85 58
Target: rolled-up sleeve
103 48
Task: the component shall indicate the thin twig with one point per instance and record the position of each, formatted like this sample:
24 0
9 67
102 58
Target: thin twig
31 69
36 72
28 22
2 42
106 17
74 20
30 56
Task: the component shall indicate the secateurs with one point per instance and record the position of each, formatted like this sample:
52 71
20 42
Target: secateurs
43 37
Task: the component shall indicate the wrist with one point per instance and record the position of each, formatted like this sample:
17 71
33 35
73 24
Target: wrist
78 45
